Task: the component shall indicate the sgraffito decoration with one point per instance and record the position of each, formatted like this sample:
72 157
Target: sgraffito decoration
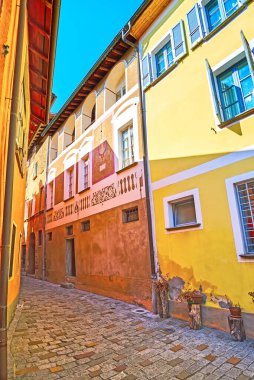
102 162
103 195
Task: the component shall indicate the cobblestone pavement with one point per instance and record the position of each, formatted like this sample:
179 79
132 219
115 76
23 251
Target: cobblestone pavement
71 334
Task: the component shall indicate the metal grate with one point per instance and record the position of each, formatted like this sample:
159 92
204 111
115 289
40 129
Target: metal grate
69 230
130 215
85 226
245 195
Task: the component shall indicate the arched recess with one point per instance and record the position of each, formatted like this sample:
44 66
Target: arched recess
69 132
54 147
31 258
89 111
115 86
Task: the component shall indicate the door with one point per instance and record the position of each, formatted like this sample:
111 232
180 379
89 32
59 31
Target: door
31 258
70 258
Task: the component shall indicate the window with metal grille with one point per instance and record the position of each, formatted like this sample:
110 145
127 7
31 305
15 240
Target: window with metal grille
85 225
127 143
245 196
130 215
69 230
40 237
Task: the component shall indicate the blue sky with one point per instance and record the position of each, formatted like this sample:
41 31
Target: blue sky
85 30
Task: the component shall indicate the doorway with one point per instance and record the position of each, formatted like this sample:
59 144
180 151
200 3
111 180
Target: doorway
31 259
70 258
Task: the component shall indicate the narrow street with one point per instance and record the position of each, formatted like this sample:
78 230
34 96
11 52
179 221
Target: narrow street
71 334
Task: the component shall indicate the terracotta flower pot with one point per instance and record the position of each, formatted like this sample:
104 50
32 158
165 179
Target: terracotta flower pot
195 298
235 312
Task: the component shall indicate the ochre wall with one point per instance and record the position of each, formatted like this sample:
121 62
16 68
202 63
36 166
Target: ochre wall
180 137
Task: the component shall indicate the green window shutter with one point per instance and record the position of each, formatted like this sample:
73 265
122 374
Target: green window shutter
217 105
179 43
249 54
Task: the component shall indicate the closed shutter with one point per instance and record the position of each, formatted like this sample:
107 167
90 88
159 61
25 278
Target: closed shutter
179 43
146 71
195 25
59 188
77 174
249 55
216 101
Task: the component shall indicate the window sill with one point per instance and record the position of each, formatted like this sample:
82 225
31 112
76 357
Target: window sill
236 118
49 209
84 190
127 167
185 227
247 256
67 199
158 79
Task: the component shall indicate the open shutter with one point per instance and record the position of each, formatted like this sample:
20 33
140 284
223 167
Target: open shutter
249 55
195 25
59 188
146 71
179 43
216 101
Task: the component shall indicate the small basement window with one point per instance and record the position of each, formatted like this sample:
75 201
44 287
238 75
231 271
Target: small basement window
130 215
49 236
85 225
69 230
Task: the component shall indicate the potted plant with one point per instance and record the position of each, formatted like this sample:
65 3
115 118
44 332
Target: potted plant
235 310
191 296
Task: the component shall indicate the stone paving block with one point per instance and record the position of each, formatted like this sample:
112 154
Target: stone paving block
56 369
84 355
120 368
176 348
202 347
26 371
90 344
145 363
233 360
243 377
211 357
175 362
95 373
183 375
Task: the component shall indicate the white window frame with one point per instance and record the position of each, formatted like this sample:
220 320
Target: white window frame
130 158
126 114
84 161
168 211
235 216
69 162
50 194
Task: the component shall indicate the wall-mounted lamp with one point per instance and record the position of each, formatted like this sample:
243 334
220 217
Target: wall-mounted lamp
6 49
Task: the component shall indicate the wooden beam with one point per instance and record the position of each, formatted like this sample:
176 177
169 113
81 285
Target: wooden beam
113 60
117 52
38 104
98 76
38 29
37 72
91 81
121 43
38 53
37 89
106 69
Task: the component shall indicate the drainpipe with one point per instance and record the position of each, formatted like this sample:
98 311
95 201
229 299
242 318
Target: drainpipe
44 213
7 213
153 260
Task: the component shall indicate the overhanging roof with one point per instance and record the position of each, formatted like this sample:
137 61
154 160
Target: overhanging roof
43 16
140 21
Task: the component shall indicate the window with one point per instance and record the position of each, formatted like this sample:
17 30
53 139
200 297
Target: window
69 230
164 59
164 55
49 236
236 90
85 225
130 215
127 146
50 195
205 17
84 174
93 114
40 237
245 197
35 172
70 182
183 211
232 84
13 238
121 92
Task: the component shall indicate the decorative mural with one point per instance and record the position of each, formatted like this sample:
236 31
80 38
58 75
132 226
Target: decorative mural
102 162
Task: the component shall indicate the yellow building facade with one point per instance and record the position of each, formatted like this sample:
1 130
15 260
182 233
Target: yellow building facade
197 59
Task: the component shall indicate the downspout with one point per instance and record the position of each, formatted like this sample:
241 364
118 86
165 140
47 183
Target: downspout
7 213
44 213
153 260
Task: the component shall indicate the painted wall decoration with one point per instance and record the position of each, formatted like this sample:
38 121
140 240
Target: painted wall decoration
102 162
